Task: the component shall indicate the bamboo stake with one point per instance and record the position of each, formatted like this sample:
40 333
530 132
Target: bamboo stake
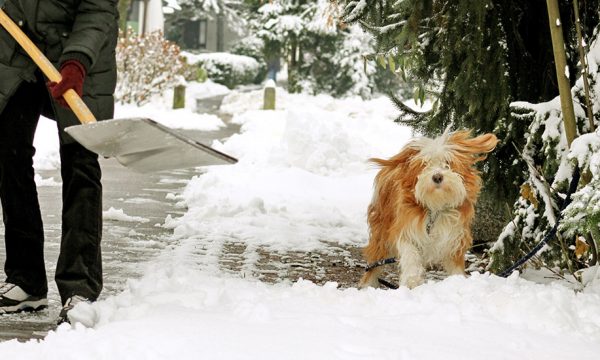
560 60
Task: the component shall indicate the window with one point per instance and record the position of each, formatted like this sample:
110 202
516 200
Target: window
203 30
194 34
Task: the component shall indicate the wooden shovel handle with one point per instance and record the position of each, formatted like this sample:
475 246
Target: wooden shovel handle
80 109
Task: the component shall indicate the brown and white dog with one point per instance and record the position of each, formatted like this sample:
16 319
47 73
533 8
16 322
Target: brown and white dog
423 204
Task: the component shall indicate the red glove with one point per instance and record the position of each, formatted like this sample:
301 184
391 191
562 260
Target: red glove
72 73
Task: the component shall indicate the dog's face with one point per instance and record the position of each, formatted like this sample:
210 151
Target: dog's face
439 186
442 168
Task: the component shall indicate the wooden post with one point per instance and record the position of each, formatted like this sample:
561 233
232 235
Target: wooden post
179 97
269 96
560 59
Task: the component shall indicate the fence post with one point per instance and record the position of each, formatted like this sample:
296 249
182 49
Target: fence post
179 97
269 96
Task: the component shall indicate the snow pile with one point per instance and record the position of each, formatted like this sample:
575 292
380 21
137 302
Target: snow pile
302 178
206 89
175 119
178 314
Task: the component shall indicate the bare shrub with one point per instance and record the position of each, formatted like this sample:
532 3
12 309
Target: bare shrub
148 65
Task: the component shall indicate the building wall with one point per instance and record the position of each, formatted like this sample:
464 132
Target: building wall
219 39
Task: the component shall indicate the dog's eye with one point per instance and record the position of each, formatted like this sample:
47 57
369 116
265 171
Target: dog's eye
447 166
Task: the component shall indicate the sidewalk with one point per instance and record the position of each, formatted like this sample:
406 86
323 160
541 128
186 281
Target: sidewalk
126 246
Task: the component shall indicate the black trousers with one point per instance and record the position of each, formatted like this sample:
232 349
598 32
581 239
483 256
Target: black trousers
79 267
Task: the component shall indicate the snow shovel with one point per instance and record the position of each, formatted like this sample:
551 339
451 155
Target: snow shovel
138 143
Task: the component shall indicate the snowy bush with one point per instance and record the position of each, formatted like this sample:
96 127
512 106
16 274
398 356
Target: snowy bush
535 212
148 65
551 165
356 77
228 69
253 47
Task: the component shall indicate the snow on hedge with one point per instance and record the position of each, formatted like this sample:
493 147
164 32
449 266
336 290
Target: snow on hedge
238 63
225 68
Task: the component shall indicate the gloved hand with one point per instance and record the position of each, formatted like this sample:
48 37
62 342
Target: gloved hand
73 74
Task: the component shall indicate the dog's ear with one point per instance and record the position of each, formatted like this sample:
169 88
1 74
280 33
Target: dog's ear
463 143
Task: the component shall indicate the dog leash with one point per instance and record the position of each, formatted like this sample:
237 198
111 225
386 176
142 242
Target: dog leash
549 236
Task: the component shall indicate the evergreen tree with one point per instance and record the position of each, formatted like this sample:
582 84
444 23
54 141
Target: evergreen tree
473 58
322 55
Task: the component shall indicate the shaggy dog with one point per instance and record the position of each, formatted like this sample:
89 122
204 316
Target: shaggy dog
423 204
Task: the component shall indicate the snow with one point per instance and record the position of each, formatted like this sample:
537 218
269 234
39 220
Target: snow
358 9
324 20
119 215
46 146
298 172
238 63
39 181
303 180
205 89
178 314
176 119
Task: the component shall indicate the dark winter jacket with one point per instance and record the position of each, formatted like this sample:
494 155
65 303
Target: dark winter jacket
85 30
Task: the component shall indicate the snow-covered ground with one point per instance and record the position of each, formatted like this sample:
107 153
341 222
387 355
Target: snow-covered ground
302 182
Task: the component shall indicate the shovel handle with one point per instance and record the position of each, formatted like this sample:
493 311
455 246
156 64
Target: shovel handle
80 109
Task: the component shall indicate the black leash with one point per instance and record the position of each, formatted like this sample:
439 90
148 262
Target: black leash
550 235
379 263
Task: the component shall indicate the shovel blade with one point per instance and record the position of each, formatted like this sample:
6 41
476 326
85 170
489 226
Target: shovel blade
145 146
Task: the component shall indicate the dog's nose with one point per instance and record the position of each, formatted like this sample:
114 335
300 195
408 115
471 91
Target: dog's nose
437 178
